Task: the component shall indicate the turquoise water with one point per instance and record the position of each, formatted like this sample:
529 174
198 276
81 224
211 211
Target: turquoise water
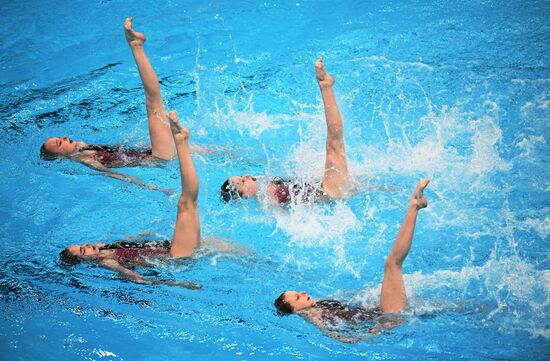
456 92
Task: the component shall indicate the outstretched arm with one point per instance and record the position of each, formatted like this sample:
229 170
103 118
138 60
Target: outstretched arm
187 231
137 278
392 296
109 172
222 246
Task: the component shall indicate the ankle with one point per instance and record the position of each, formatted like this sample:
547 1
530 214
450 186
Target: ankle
136 44
414 205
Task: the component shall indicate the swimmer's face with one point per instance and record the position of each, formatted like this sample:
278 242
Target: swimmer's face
246 185
62 145
298 300
85 250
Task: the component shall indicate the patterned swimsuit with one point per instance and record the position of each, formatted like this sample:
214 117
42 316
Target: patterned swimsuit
337 312
286 191
118 157
137 253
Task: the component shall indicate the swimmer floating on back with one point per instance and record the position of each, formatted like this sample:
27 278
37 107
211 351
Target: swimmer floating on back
336 175
119 256
328 314
106 157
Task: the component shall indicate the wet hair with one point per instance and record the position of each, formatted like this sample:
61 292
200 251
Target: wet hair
228 191
45 154
283 307
69 259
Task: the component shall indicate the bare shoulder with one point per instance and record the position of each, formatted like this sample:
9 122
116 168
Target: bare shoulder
313 315
86 156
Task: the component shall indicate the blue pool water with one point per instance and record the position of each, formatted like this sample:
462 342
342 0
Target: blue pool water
458 92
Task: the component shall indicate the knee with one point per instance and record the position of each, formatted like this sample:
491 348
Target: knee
392 264
335 147
185 204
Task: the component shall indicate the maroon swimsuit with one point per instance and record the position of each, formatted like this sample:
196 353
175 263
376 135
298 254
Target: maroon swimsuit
335 312
122 158
285 191
136 253
113 156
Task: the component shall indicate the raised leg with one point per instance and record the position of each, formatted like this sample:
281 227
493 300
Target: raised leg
159 130
336 175
187 233
393 297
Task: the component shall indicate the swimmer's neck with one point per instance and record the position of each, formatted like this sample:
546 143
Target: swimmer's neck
80 145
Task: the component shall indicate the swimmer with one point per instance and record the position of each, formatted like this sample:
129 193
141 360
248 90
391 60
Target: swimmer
336 175
119 256
325 314
106 157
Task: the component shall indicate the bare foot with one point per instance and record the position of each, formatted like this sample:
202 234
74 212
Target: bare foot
179 132
418 200
133 37
324 79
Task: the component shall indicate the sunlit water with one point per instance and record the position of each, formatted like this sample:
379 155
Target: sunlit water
458 92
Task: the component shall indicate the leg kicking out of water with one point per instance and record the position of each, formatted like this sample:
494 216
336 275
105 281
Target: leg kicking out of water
159 130
187 233
326 314
393 297
336 175
118 256
106 157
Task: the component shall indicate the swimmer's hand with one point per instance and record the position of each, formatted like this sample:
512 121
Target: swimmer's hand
167 191
349 339
188 285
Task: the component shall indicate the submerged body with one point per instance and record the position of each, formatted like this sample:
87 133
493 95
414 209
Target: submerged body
113 156
137 254
334 312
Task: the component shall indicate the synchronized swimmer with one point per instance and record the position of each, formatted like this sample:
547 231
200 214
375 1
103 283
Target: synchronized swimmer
328 314
166 133
121 256
106 157
336 174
